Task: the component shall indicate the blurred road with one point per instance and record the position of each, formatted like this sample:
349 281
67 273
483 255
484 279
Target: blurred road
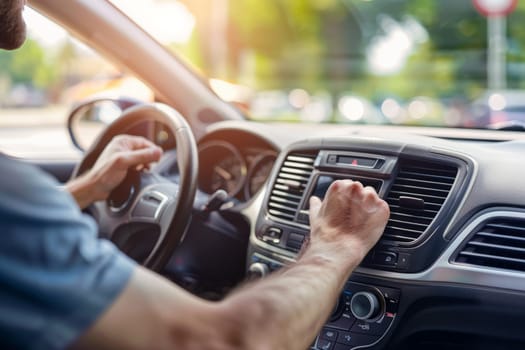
38 133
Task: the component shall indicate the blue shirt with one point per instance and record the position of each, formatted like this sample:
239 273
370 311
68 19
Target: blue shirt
56 276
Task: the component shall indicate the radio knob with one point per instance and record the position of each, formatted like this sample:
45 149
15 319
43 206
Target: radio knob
258 270
365 306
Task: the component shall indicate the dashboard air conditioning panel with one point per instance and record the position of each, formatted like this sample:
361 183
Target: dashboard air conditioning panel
289 186
415 199
499 243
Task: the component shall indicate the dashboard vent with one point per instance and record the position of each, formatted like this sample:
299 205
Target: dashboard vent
289 186
415 199
498 243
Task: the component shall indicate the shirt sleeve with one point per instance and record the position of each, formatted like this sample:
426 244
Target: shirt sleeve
56 276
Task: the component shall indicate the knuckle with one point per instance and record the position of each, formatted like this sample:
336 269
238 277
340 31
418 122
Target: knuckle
118 159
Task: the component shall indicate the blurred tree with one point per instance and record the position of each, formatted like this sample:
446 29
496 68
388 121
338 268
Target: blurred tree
28 65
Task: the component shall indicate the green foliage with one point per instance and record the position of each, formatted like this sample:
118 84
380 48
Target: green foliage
28 65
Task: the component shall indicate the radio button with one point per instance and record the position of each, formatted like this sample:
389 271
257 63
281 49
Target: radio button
329 334
344 322
323 344
403 260
385 258
295 241
373 328
354 339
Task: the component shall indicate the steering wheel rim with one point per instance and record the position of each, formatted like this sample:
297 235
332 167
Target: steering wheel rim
176 202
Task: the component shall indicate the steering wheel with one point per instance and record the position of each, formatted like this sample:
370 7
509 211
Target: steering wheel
146 216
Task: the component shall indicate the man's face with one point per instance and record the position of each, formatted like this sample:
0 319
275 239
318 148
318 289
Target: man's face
12 25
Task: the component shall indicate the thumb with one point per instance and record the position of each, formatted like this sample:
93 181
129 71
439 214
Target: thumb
315 206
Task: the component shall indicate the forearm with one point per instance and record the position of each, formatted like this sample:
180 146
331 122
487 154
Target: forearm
286 310
283 311
83 191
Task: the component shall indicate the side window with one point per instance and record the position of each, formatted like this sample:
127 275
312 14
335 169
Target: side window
43 80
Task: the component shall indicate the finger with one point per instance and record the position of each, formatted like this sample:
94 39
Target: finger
136 142
335 186
315 206
369 191
142 156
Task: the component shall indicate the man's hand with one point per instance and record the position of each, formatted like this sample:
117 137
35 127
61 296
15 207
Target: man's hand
348 222
122 153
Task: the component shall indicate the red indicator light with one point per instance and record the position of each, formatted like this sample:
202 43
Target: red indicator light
354 162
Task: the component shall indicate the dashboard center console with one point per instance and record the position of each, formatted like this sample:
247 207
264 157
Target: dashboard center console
421 187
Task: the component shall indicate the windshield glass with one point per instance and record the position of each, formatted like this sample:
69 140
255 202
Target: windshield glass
412 62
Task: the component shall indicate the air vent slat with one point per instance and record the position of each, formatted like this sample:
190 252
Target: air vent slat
506 227
502 236
299 172
497 246
281 214
428 185
410 217
286 194
293 177
397 238
289 186
417 227
425 212
429 182
284 199
498 243
435 196
298 165
415 175
493 257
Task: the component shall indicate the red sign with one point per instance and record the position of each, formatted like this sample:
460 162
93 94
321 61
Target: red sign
492 8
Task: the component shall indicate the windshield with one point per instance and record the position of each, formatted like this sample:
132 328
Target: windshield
416 62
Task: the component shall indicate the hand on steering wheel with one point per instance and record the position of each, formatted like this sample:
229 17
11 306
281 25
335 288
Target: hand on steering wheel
124 152
144 213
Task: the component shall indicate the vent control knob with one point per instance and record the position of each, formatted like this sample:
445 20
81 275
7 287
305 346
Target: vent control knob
258 270
365 306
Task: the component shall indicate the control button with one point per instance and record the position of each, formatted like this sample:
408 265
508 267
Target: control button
295 241
296 237
328 334
304 217
403 260
346 338
258 270
390 293
355 339
373 328
323 344
332 159
344 322
365 306
385 258
273 235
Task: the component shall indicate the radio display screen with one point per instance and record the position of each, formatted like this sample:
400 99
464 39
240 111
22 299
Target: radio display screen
324 181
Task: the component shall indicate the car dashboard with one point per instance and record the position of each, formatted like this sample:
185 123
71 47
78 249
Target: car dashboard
448 271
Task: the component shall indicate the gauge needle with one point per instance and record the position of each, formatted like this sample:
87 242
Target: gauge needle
223 173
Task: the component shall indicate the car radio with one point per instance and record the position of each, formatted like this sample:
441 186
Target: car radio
361 317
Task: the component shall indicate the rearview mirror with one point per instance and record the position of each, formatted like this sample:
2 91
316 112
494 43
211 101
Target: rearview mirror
87 119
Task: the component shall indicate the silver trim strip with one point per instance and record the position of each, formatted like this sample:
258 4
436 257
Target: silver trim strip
470 185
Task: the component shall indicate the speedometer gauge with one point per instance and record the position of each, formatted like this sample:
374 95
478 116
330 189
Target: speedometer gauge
221 167
227 174
261 169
